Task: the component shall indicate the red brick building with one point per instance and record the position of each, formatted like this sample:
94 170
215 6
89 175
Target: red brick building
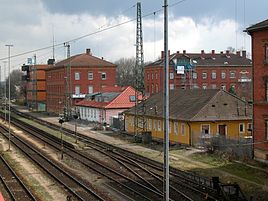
88 74
209 71
259 38
35 86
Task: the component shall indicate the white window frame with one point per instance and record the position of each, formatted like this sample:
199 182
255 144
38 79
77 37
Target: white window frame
103 76
213 75
194 75
176 131
204 75
202 129
183 129
232 74
77 76
77 89
150 124
171 75
90 76
88 87
155 124
171 86
223 75
159 125
243 127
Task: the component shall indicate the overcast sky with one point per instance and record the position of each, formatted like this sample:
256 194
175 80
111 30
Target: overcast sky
194 25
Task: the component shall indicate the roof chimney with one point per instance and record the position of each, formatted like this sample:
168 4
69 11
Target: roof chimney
88 51
184 51
50 61
221 52
163 54
238 53
202 52
244 53
227 52
213 51
178 52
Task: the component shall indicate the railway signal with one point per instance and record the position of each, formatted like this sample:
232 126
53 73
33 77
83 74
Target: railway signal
61 121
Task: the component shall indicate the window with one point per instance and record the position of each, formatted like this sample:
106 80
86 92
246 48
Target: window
176 128
152 88
77 90
171 86
266 52
205 129
204 75
241 128
103 76
152 76
155 125
171 75
266 128
194 75
156 88
149 124
132 98
90 89
76 76
266 89
232 74
250 128
148 76
90 76
213 86
213 75
182 129
156 76
223 75
159 125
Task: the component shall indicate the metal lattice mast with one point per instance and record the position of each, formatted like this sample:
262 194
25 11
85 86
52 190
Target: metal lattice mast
68 83
139 52
139 74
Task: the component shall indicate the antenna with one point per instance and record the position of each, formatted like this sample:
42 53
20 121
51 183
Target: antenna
53 43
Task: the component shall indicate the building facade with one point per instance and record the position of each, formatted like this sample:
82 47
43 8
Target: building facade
87 74
35 86
195 115
259 38
103 107
228 71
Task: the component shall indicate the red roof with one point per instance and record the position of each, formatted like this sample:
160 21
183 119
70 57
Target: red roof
1 197
121 101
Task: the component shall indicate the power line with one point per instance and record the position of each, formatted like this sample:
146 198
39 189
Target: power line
93 33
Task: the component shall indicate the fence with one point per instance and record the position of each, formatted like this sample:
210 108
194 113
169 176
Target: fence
241 147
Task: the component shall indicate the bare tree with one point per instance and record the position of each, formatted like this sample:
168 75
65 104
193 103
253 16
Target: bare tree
17 86
125 75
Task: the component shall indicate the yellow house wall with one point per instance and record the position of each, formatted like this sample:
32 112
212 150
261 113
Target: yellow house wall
156 126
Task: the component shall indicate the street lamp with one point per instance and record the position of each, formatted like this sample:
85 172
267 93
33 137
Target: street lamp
61 121
9 46
5 91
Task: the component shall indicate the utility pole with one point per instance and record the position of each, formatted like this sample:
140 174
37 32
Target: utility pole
34 84
166 106
68 83
9 46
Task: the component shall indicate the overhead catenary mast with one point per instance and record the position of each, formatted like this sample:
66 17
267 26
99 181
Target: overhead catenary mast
139 120
67 105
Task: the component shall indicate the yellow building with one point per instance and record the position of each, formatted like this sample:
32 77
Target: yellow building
195 115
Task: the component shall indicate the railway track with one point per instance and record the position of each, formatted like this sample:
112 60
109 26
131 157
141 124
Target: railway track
189 186
14 186
78 189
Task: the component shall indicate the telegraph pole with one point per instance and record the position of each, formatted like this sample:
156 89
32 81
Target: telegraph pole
166 105
9 46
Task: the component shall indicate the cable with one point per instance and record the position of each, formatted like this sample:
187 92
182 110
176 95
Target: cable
93 33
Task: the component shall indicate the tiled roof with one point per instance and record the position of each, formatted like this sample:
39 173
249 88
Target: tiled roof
208 59
84 60
115 100
196 105
259 26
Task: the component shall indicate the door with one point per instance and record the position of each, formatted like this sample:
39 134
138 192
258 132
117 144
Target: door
222 130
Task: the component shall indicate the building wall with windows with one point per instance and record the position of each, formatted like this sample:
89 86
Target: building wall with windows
210 71
88 74
35 86
259 38
195 115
